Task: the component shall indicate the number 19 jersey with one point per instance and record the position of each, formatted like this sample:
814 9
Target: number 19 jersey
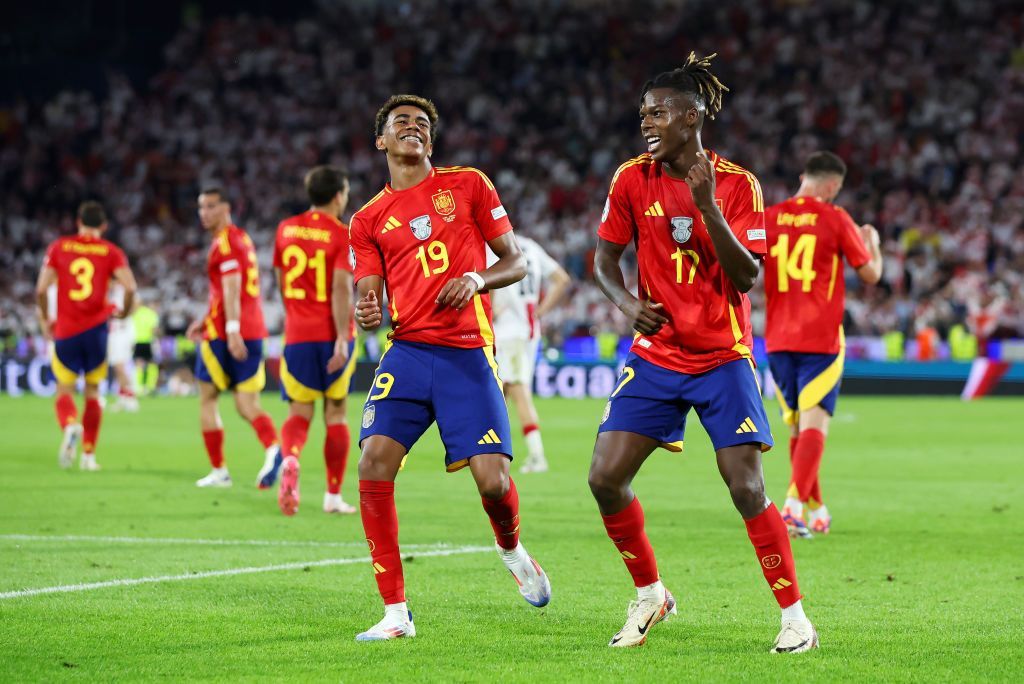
308 249
709 319
420 238
803 275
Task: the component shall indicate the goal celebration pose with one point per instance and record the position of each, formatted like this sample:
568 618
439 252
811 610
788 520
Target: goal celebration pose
697 221
424 238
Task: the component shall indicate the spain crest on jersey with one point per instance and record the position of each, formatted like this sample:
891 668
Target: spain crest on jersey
421 227
444 202
682 228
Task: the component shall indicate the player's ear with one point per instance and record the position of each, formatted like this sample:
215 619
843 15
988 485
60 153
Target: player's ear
380 143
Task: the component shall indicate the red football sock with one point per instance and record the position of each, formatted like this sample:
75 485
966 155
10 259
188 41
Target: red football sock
768 534
808 457
793 441
380 523
265 430
294 432
626 530
504 515
214 441
67 412
815 499
336 445
527 429
91 425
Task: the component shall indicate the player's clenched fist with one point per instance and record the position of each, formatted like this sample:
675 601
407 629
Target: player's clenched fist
368 313
457 292
870 235
701 179
644 316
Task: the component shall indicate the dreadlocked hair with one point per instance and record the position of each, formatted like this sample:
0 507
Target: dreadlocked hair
693 77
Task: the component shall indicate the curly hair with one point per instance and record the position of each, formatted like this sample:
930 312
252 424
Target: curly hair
396 101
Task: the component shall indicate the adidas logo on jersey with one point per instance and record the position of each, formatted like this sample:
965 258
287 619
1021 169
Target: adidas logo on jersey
655 210
746 426
390 224
490 438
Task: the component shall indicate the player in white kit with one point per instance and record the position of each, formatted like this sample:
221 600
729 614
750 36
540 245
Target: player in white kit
517 310
120 346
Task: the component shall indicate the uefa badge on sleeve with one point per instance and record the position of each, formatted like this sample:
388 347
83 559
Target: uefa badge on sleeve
369 413
682 228
421 227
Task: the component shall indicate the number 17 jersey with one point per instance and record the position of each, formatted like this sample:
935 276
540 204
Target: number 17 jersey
420 238
708 318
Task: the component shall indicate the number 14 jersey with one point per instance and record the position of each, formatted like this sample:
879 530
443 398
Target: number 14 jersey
709 319
418 239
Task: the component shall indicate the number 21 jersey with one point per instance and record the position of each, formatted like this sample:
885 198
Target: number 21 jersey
709 319
420 238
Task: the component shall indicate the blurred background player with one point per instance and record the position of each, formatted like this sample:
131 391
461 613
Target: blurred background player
146 321
230 339
518 310
120 346
81 266
313 262
808 237
424 237
698 224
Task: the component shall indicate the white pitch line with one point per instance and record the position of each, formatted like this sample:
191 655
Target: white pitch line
132 581
197 542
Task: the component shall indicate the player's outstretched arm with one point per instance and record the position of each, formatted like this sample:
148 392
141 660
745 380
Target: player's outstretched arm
738 263
341 312
368 313
871 272
509 268
47 278
644 316
126 279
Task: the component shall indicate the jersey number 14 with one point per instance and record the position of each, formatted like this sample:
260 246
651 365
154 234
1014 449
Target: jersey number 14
795 264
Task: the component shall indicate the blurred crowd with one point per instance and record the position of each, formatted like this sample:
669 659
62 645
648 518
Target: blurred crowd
924 101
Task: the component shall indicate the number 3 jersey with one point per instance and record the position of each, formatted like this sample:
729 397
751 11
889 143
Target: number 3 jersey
422 237
803 276
709 319
308 249
84 268
232 251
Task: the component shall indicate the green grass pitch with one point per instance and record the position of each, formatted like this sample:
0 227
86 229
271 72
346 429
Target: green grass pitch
921 579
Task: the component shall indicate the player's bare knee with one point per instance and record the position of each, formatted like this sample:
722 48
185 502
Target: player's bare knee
607 490
494 485
748 496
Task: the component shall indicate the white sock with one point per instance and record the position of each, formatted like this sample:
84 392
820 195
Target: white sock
512 554
534 444
222 471
652 592
397 610
795 506
88 457
794 612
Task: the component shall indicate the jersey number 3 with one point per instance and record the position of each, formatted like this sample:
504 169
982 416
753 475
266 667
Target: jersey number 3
83 270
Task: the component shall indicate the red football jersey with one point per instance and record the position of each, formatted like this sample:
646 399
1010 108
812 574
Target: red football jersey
232 251
420 238
709 319
803 275
84 268
308 249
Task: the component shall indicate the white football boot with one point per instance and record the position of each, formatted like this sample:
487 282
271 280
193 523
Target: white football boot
218 477
272 460
69 445
534 464
533 582
397 624
641 616
333 503
88 462
796 636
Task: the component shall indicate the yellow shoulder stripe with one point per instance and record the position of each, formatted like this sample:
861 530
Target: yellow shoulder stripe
635 161
366 206
755 187
462 169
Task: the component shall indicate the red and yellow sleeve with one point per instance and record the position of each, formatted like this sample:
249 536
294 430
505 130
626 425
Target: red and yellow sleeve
850 243
743 209
617 223
368 259
488 212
